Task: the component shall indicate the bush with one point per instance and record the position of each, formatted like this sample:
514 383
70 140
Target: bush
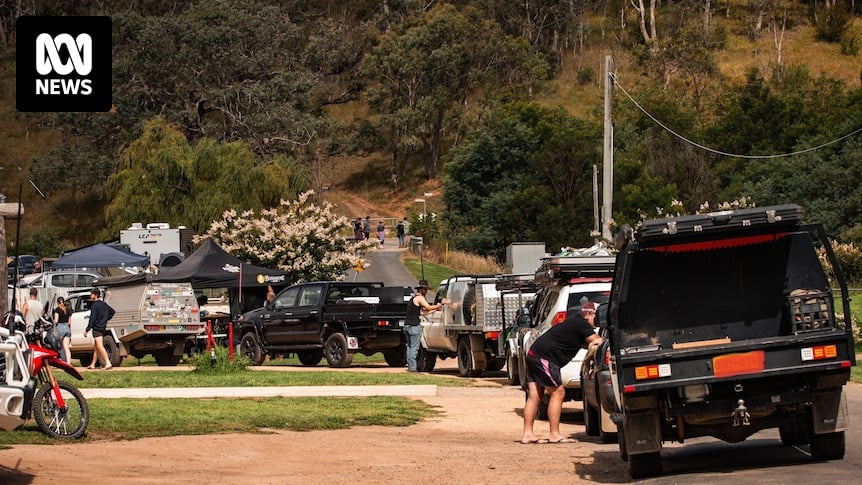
850 43
204 364
832 22
586 75
849 257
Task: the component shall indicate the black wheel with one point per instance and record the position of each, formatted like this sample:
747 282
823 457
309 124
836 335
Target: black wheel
469 306
495 365
250 347
335 351
465 359
86 359
591 420
166 358
425 360
829 446
645 465
396 357
543 408
310 357
621 436
113 351
513 377
69 422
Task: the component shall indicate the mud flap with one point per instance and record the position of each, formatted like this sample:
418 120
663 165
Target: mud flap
829 412
477 348
642 433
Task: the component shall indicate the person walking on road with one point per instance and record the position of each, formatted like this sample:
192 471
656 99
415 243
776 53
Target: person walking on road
552 350
381 232
100 314
417 306
399 231
366 227
61 323
32 310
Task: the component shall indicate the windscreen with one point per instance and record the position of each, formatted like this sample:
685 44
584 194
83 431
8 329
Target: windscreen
737 292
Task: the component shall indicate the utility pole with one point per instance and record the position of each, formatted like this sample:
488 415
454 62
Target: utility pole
608 155
595 202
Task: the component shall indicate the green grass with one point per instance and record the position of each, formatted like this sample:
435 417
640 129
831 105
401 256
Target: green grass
118 379
127 419
434 273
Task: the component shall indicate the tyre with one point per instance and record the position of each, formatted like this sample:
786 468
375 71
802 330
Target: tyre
86 359
591 420
425 360
795 431
829 446
310 357
113 351
166 358
396 357
513 377
335 351
465 359
495 365
469 306
64 423
250 347
645 465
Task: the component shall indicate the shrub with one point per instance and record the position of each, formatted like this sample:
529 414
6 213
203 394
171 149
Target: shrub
204 364
586 75
849 257
850 43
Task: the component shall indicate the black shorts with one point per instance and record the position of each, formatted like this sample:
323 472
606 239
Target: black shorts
98 333
543 372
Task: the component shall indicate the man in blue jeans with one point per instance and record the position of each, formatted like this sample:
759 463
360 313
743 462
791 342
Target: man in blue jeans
412 327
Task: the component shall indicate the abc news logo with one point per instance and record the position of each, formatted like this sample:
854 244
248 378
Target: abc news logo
63 63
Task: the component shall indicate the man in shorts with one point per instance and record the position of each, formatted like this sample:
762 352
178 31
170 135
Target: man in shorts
552 350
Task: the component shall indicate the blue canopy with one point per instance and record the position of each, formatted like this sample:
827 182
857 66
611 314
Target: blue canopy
100 256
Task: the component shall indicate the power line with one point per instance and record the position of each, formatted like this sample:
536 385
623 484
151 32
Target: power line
719 152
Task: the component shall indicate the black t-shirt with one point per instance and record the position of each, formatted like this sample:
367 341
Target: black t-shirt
561 342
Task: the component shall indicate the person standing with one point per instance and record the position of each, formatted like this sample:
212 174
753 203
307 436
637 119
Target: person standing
61 323
381 232
399 231
417 306
357 229
100 314
366 227
552 350
32 310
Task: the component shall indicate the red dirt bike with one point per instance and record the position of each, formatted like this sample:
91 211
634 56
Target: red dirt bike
28 385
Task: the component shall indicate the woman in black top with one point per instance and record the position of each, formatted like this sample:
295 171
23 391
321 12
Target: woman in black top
61 322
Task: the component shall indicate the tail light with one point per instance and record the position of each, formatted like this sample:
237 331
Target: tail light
558 318
382 323
820 352
607 357
492 335
653 371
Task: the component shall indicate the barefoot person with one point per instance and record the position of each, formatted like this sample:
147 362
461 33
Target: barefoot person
100 314
552 350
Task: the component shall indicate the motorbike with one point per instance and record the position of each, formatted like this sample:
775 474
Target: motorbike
28 385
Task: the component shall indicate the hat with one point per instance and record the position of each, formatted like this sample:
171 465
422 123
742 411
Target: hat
423 284
589 307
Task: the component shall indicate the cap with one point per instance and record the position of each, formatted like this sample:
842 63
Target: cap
423 284
589 307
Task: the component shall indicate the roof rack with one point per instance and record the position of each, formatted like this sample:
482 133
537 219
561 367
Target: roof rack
556 267
511 282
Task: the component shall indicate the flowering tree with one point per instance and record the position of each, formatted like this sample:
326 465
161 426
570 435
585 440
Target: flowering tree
300 237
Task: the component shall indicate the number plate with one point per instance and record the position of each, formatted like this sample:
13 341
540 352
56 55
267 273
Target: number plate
738 364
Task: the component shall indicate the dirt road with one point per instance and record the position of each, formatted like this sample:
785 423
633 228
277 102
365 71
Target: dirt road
474 441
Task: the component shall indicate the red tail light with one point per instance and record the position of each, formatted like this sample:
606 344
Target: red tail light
382 323
558 318
607 357
492 335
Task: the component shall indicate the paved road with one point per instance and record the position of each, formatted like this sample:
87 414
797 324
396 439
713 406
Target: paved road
386 267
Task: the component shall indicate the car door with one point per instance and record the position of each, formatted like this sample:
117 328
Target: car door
307 314
277 324
78 322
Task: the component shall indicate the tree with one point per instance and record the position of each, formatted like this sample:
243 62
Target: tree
304 239
164 178
524 175
426 70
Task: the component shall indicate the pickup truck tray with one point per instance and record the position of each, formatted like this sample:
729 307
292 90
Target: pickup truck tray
747 221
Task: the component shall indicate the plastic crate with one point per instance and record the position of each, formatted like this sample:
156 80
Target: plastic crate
810 310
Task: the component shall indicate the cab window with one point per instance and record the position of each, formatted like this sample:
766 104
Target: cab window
310 296
285 299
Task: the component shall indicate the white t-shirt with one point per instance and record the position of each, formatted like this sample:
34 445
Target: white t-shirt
34 311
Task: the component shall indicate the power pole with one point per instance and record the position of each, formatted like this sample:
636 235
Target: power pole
10 211
608 155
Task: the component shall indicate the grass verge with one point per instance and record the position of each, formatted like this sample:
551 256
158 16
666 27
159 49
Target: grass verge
434 273
128 419
118 379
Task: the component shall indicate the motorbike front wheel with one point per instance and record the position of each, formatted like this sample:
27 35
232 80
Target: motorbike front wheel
67 423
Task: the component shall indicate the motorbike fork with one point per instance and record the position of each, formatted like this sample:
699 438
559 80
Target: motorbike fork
58 396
